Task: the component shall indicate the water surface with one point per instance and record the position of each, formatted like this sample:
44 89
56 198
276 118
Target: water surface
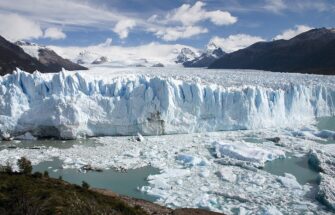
297 166
326 123
125 183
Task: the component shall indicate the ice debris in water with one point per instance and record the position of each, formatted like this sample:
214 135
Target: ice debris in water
191 173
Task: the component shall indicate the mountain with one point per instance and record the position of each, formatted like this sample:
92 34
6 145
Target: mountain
310 52
211 54
52 61
185 54
88 57
100 60
12 56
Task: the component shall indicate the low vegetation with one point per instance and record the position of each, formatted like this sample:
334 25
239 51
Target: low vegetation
26 193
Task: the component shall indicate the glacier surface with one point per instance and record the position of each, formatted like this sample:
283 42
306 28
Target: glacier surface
103 101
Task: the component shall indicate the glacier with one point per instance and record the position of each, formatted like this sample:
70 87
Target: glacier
70 105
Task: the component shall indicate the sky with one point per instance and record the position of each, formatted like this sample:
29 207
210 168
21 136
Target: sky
233 24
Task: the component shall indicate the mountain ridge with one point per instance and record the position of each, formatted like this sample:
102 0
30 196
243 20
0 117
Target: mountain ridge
311 52
13 56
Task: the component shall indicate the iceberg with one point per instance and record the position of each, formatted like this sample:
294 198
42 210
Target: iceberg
246 152
72 105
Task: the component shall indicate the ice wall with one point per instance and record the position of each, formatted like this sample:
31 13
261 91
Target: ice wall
70 106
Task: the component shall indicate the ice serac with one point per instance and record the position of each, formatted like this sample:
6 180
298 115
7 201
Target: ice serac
71 105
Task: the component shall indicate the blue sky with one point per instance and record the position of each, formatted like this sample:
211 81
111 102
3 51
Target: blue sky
138 22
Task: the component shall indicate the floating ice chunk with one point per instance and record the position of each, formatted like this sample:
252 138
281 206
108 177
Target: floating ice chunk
26 136
326 134
189 160
227 174
324 161
244 151
289 181
139 138
204 173
271 210
326 193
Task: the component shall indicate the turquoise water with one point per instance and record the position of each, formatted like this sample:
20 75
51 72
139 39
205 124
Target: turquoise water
125 183
297 166
326 123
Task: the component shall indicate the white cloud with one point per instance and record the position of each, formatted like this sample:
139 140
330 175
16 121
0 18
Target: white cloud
275 5
235 42
14 27
54 33
122 27
187 18
64 12
70 14
175 33
290 33
190 15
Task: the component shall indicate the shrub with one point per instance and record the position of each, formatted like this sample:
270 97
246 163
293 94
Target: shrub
85 185
37 175
25 166
6 169
46 174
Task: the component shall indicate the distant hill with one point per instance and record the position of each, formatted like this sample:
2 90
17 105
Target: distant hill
310 52
13 56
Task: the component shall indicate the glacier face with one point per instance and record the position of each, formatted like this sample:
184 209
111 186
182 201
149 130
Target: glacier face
71 105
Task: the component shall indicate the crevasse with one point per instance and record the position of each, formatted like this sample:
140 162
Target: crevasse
69 106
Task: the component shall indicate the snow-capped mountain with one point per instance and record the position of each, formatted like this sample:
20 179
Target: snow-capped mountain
185 54
29 48
12 56
211 53
100 60
88 57
147 55
48 57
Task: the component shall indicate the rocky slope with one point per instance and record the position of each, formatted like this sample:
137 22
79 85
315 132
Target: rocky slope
47 57
12 56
